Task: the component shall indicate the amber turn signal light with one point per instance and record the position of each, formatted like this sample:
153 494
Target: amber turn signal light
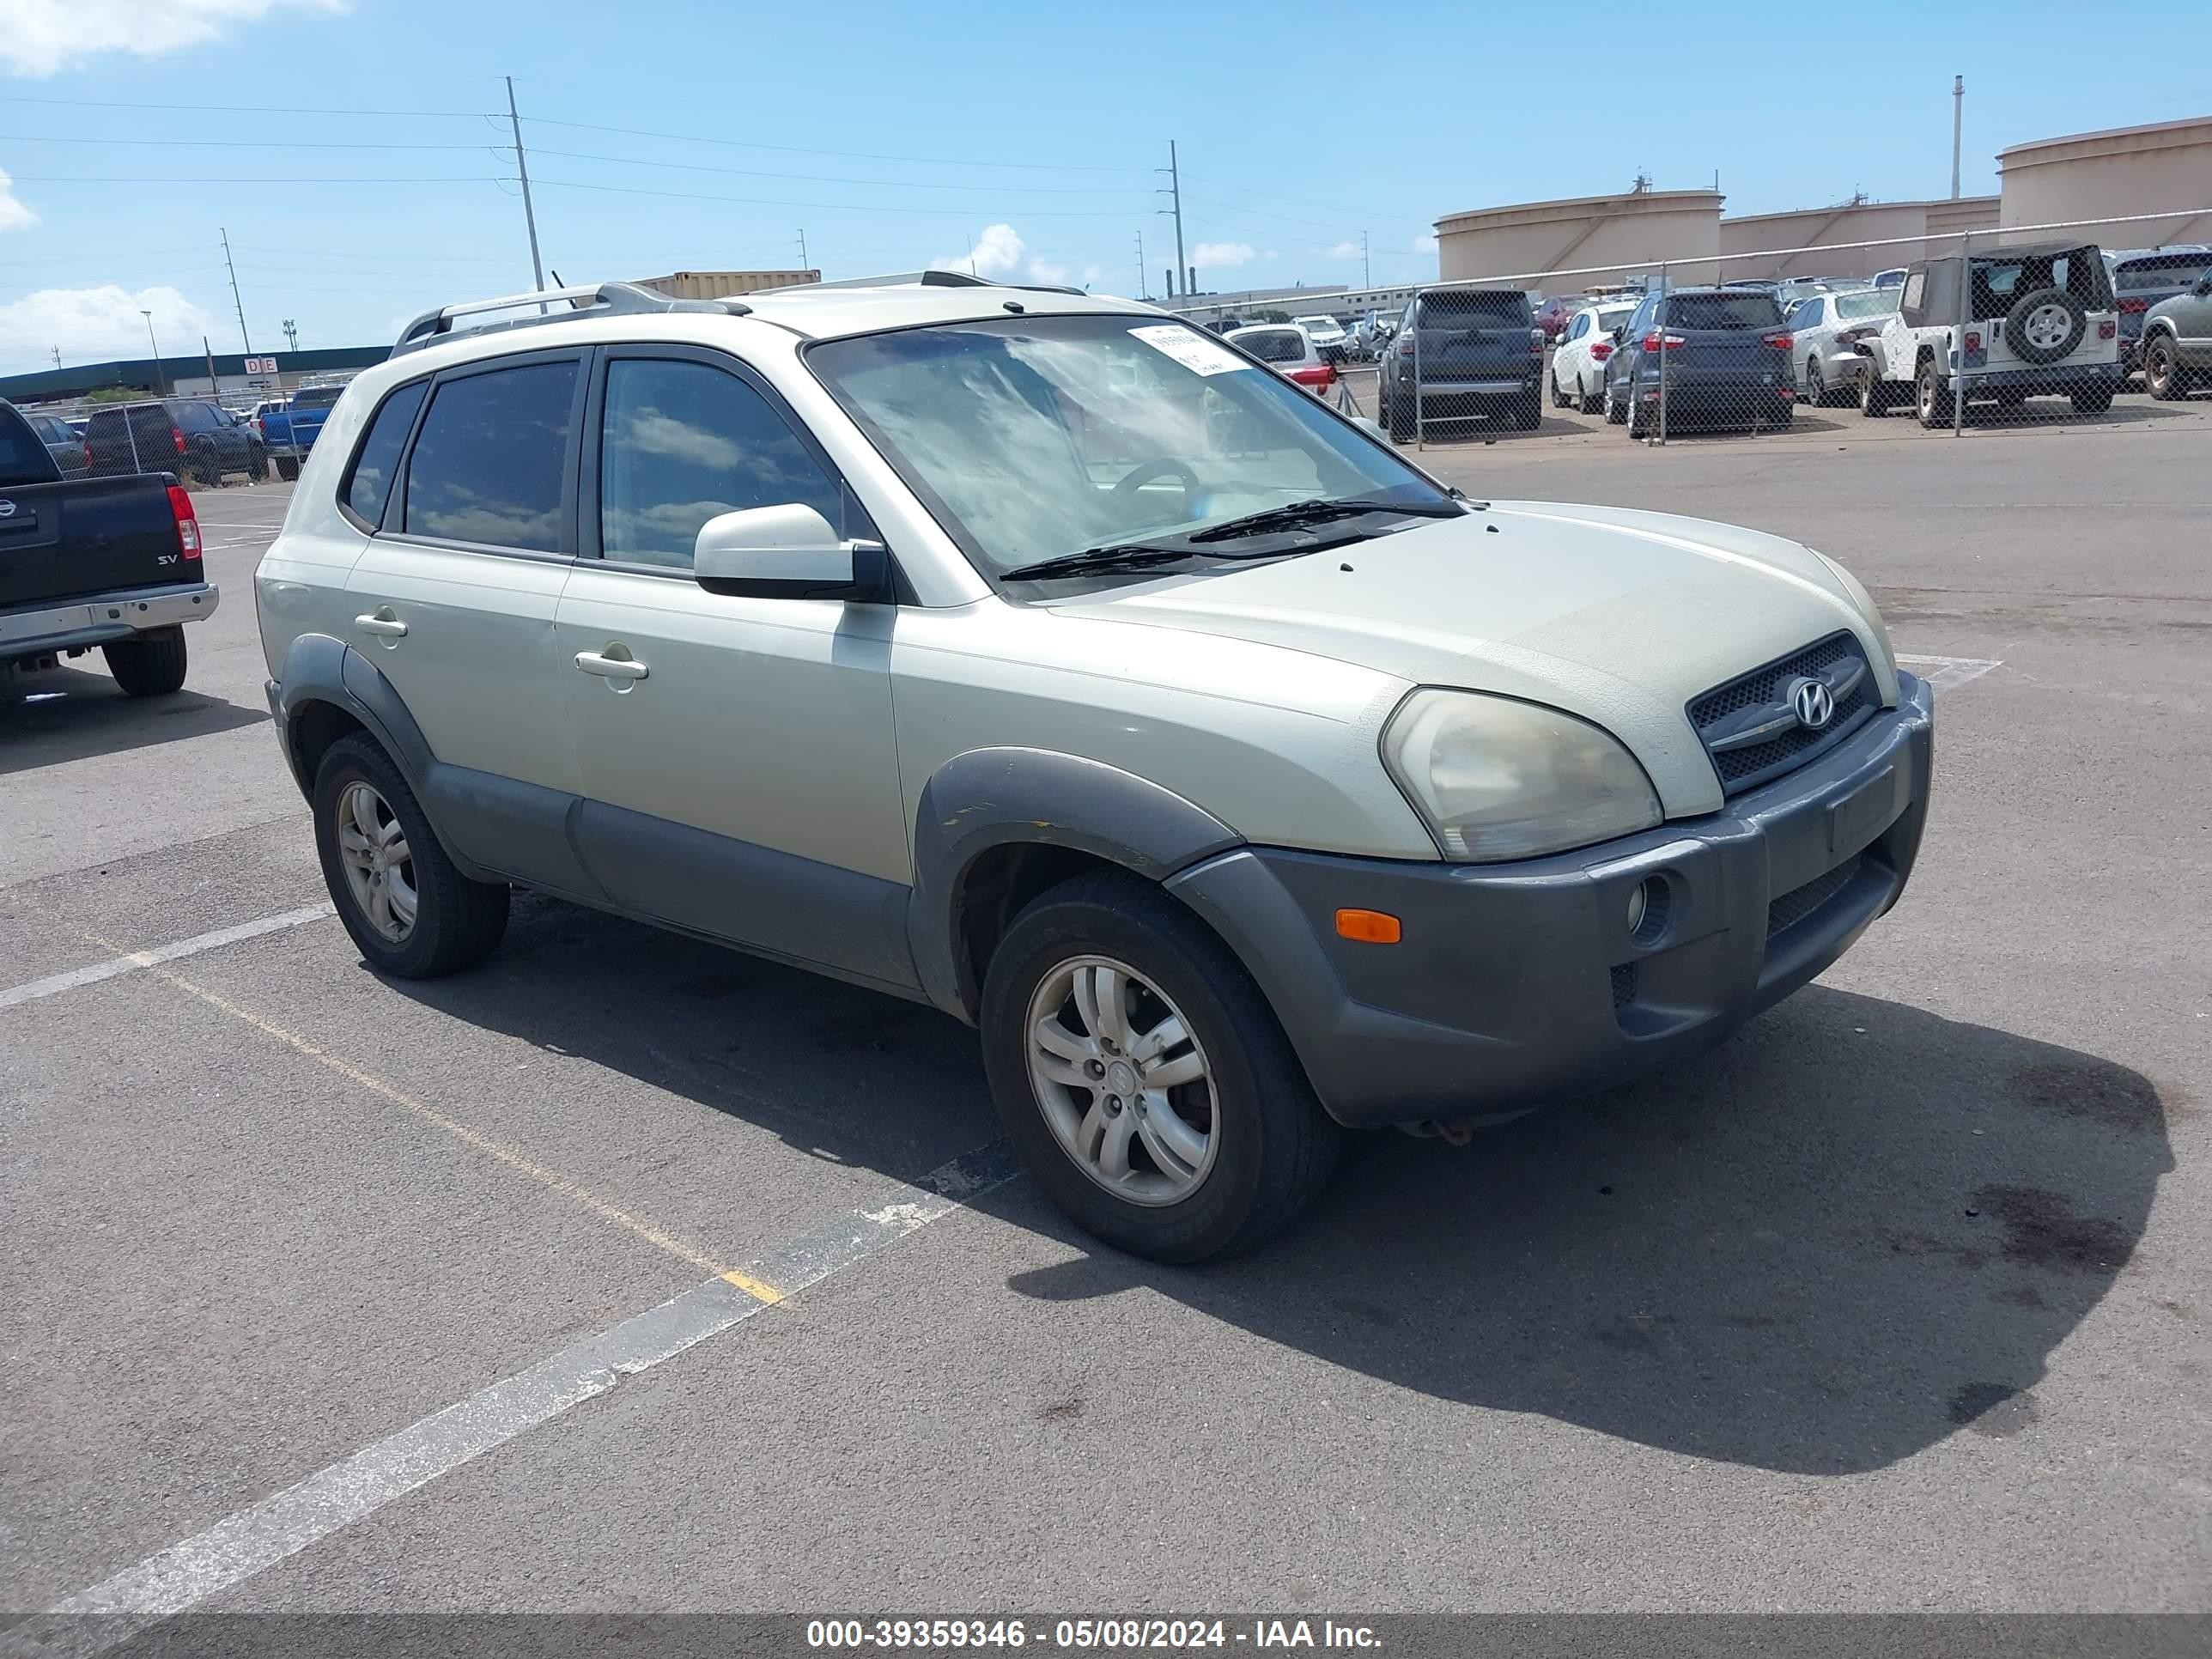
1369 926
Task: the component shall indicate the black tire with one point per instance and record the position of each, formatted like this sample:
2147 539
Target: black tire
1639 428
1277 1144
1874 392
286 468
1783 417
1816 384
1398 417
458 921
1614 413
2162 373
257 463
1528 412
2016 325
1587 403
1931 398
204 468
1558 398
152 665
2094 399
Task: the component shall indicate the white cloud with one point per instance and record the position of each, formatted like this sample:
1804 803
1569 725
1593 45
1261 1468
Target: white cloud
998 250
1044 270
14 214
98 322
1214 256
1425 243
42 36
1346 250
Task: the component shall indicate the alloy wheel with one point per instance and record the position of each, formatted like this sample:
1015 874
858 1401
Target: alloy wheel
380 869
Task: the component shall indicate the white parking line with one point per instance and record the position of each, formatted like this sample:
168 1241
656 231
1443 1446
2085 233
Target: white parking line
1951 673
252 1540
54 985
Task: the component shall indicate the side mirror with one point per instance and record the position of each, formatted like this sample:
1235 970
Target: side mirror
2203 290
785 552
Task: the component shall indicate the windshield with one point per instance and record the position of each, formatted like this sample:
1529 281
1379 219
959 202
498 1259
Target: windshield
2168 270
1036 437
1876 302
1746 310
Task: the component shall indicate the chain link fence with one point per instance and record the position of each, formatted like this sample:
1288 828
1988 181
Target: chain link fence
1978 328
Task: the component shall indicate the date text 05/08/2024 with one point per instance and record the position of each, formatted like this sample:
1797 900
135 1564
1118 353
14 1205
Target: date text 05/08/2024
1087 1634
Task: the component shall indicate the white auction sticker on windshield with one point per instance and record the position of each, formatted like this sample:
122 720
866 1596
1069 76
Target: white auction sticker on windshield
1189 348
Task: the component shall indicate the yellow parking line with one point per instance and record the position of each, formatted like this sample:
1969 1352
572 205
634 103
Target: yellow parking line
759 1289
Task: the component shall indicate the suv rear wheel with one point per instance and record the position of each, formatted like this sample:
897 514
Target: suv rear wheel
2093 399
1934 397
412 914
1143 1079
2162 376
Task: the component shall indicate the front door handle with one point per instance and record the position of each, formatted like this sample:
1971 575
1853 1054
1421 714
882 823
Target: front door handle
611 668
382 624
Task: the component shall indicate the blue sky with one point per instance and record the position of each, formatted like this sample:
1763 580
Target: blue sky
897 135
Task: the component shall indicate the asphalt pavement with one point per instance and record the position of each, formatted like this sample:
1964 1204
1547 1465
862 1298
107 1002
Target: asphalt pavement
325 1293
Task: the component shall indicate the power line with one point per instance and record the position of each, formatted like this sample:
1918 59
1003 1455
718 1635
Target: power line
243 109
846 154
836 178
256 178
831 206
229 143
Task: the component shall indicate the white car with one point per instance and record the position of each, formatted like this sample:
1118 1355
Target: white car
1826 331
1290 350
1327 333
1578 361
1038 658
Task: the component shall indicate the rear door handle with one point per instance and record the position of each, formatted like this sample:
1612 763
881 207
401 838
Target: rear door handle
611 668
382 624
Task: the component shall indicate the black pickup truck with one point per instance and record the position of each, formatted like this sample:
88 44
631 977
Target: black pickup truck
112 562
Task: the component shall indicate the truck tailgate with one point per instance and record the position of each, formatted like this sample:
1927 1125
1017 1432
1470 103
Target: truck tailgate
62 541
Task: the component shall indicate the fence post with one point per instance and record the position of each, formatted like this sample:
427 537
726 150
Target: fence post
1959 338
1661 321
1420 430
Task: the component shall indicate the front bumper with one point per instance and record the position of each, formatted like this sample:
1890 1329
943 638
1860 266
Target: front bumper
1518 983
104 619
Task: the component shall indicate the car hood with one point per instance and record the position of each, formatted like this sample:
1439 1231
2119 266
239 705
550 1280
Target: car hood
1620 616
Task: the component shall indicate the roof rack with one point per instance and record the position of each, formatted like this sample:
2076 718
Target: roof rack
962 279
600 300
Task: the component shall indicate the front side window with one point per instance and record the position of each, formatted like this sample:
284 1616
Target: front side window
682 442
378 464
1036 437
488 465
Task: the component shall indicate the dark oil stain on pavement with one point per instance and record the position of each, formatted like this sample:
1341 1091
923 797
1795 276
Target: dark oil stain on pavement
2084 1089
1993 1409
2042 1230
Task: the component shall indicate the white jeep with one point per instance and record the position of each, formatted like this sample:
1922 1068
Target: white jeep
1038 657
2041 319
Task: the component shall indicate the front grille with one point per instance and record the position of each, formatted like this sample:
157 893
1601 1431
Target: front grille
1748 768
1799 903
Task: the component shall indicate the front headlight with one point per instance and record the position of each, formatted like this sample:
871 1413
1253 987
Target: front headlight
1864 601
1497 779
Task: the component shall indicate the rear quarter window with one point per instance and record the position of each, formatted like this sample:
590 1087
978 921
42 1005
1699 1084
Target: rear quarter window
1274 345
376 463
488 464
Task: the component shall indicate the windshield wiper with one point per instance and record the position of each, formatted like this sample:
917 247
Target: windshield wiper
1104 561
1297 514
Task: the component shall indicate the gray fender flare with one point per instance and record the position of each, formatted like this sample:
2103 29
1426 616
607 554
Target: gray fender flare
320 669
992 797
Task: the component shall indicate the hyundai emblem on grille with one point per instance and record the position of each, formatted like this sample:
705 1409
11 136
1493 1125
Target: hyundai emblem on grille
1813 704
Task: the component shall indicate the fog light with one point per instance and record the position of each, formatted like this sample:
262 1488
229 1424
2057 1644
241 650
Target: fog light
1649 902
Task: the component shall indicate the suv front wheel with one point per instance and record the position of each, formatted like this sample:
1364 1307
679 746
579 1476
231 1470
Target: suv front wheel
1143 1079
411 912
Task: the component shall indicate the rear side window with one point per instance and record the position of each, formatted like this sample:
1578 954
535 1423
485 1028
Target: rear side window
369 485
488 465
1275 345
321 396
2167 273
23 458
682 442
1722 311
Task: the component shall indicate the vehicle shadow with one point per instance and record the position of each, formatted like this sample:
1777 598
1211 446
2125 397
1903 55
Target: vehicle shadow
1856 1229
66 713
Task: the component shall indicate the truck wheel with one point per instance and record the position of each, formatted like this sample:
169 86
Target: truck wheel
205 468
152 665
1874 392
1528 412
257 463
2162 374
2094 399
1398 417
1143 1079
410 912
286 468
1934 397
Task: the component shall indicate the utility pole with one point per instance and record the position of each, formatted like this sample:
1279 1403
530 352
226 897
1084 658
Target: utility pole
1144 286
803 265
291 334
1175 190
57 356
522 168
161 385
1366 277
1958 122
234 299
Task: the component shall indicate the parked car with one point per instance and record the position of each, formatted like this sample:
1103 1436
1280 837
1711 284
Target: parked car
1827 330
1462 353
1717 356
2041 319
1578 365
2178 343
2141 278
1553 315
1327 333
192 437
1288 349
1225 835
290 432
86 563
63 442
